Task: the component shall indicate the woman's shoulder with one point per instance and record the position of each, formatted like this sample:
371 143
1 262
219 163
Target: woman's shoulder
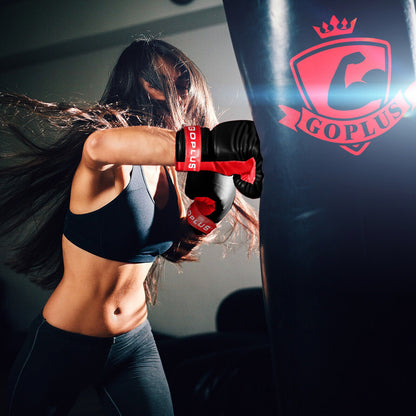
92 189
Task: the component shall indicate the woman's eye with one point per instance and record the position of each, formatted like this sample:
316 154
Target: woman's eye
182 87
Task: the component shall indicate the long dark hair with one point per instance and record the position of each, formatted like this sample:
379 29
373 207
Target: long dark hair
35 178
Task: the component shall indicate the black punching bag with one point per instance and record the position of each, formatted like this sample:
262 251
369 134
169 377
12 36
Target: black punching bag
331 86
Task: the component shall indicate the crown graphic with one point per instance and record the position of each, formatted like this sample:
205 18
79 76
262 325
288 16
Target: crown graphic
335 28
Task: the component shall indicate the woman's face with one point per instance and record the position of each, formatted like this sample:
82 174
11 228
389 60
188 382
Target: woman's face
181 82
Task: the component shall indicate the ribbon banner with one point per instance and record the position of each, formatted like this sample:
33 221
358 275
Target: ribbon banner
352 135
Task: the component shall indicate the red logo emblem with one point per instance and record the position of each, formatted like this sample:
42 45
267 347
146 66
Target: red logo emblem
344 85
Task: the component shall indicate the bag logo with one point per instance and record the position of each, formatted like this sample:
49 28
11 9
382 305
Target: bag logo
344 84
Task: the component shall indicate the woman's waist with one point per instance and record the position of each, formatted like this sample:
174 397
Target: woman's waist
98 306
92 322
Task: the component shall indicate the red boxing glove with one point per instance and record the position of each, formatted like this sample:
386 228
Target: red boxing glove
213 196
231 148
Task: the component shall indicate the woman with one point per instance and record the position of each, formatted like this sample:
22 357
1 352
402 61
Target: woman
74 196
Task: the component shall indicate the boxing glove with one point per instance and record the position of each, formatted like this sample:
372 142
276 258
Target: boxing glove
213 196
230 148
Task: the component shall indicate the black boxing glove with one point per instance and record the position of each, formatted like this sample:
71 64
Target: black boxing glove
213 196
231 148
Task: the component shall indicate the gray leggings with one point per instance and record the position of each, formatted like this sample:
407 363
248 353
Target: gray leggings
55 365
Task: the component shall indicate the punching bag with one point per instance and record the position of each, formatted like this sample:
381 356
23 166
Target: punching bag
331 85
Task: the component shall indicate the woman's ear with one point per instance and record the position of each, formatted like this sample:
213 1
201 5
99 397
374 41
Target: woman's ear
153 92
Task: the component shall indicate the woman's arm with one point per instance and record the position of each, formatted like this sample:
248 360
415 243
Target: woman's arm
136 145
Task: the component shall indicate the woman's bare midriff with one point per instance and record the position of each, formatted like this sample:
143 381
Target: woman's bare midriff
96 296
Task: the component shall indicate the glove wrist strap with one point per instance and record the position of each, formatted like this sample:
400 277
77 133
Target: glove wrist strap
192 162
199 221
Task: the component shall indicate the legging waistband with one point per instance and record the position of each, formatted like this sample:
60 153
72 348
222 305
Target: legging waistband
136 332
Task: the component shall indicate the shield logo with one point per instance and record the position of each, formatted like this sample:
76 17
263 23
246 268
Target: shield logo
345 85
345 78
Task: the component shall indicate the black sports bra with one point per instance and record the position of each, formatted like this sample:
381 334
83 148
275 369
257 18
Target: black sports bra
130 228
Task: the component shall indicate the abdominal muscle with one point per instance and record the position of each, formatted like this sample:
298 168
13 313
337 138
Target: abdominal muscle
96 296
